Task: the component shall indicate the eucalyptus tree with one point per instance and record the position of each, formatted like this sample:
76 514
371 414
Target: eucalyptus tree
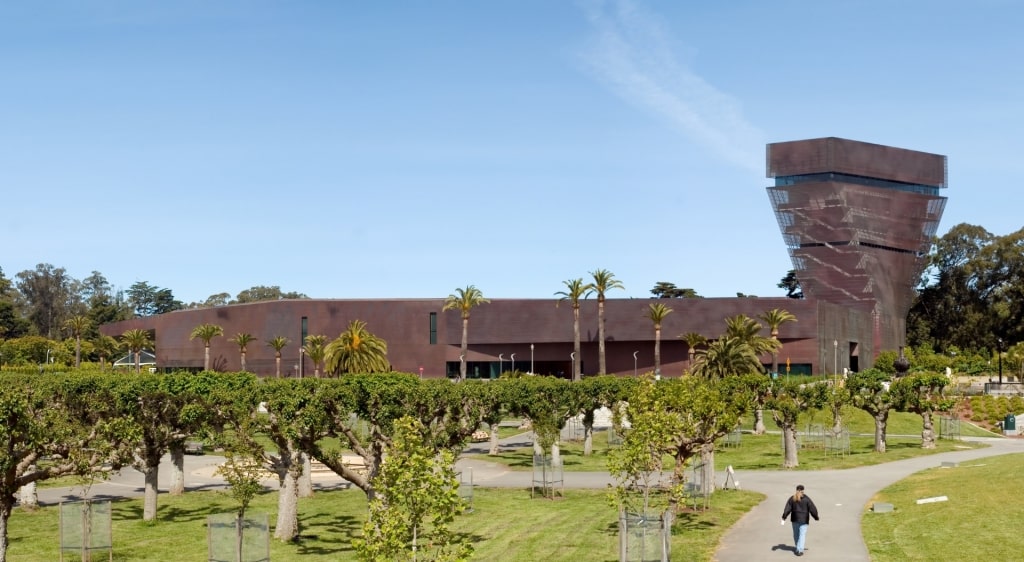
464 300
50 297
77 325
206 332
870 391
242 340
693 340
134 341
357 350
604 281
575 291
656 313
277 343
315 349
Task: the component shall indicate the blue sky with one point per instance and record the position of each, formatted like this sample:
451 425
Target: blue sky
405 149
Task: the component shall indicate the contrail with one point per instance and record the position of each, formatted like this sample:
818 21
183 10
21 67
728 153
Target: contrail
631 52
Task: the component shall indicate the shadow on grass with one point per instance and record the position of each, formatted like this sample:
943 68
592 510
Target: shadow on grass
327 535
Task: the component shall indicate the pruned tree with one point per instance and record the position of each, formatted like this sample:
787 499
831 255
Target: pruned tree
870 391
923 394
787 400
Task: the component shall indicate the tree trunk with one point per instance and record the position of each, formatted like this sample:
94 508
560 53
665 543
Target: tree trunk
287 527
556 454
177 469
494 440
6 506
243 361
588 432
707 458
837 421
149 502
29 495
305 480
537 450
206 357
789 446
759 428
576 345
928 432
602 366
239 533
277 365
880 423
465 348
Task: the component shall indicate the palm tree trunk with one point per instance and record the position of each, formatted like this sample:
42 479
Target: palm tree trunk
277 361
602 367
206 357
657 351
465 347
576 345
243 360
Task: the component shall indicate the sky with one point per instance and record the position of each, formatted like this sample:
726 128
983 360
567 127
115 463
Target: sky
404 149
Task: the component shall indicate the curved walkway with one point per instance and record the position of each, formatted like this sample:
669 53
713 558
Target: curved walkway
841 496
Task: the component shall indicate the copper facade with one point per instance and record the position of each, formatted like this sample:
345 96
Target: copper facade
858 219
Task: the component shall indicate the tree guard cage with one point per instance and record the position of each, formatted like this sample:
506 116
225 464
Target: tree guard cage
645 537
222 535
547 477
466 487
949 428
85 528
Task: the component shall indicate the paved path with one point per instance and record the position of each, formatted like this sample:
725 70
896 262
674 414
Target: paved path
842 496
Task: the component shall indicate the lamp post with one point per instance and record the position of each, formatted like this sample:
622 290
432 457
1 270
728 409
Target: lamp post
531 358
501 359
513 369
634 363
302 361
835 357
999 350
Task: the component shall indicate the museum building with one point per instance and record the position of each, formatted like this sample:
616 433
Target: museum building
858 219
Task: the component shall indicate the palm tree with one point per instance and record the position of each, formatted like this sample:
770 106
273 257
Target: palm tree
693 339
748 330
135 341
278 343
657 312
464 300
315 349
575 291
206 332
604 281
243 340
725 357
76 325
357 351
775 318
105 347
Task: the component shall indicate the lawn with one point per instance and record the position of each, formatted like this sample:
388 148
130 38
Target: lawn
764 452
505 525
976 522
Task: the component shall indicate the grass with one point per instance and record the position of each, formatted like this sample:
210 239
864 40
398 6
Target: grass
506 524
976 522
764 452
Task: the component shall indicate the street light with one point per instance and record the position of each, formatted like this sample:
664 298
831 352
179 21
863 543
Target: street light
634 363
513 363
302 362
531 357
999 350
501 359
835 357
